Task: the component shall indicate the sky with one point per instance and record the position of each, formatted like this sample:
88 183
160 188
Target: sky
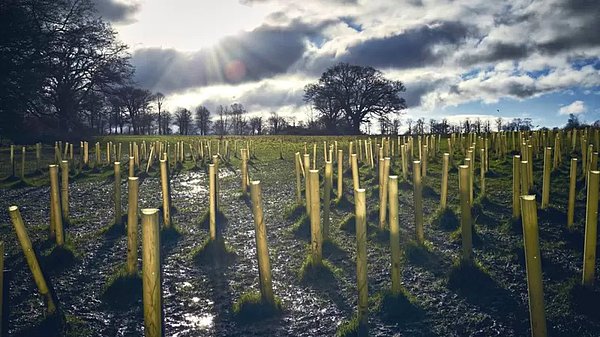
457 59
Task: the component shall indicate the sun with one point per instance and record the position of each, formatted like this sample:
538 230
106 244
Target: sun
190 25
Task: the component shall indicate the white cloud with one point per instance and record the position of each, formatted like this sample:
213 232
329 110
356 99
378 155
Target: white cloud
577 107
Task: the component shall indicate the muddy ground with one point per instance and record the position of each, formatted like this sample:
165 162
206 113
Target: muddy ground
198 299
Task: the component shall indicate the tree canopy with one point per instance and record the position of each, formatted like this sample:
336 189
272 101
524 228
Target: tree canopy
349 95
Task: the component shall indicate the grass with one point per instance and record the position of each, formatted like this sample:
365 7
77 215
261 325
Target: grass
122 290
214 253
317 273
398 308
445 219
352 328
59 258
251 307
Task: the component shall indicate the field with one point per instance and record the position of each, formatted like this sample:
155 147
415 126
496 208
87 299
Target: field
440 297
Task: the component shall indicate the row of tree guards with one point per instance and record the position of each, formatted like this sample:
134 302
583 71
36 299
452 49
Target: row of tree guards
528 145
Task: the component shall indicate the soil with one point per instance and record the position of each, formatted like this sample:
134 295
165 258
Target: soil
198 298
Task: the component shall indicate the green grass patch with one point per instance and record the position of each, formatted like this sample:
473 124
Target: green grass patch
398 308
301 228
251 307
59 258
294 211
317 273
352 328
215 253
122 290
170 234
445 219
469 276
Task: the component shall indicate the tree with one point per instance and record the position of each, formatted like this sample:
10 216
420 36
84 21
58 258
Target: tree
159 98
572 122
165 120
409 122
355 93
220 125
256 125
59 57
135 101
499 124
183 120
202 120
237 121
276 123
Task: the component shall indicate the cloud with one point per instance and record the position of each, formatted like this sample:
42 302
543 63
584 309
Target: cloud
577 107
117 11
251 56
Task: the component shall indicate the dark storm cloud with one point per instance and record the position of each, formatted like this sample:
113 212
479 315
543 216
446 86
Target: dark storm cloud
115 11
586 14
251 56
499 51
416 90
412 48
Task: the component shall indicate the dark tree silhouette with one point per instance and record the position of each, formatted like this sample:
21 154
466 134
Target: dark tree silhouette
354 93
202 120
183 119
159 98
136 103
57 58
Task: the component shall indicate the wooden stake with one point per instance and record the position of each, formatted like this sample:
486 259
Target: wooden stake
572 183
361 256
64 188
245 172
533 265
465 213
524 178
132 225
327 197
166 197
516 205
591 229
418 201
131 166
262 249
23 163
307 183
384 193
151 280
482 173
355 181
212 203
298 178
315 218
340 174
30 257
444 188
117 196
546 178
55 213
394 235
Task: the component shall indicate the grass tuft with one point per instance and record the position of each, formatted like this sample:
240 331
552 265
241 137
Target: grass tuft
251 307
214 253
122 290
445 219
352 328
398 308
317 273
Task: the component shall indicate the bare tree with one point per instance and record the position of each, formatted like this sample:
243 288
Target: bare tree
237 121
159 99
203 120
183 119
220 125
256 125
499 124
358 92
